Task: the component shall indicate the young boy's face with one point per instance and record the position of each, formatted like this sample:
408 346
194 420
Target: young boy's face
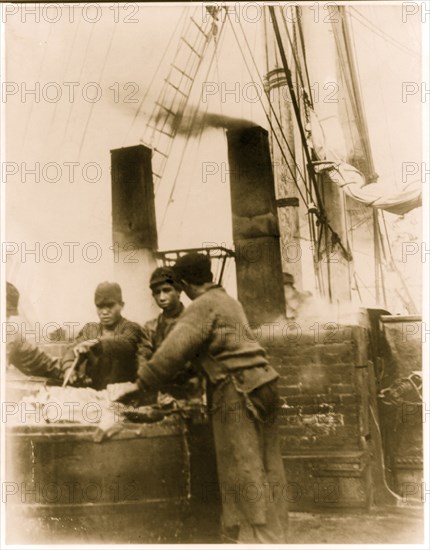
109 312
166 296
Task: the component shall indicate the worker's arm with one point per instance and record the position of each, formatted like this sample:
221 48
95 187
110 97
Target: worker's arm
147 343
185 342
123 343
32 361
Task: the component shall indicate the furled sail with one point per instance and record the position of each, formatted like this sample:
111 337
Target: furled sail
380 195
339 136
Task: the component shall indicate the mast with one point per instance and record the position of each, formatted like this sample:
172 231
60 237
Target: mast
328 210
368 169
358 100
284 162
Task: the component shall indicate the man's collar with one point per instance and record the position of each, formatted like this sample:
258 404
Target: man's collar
212 286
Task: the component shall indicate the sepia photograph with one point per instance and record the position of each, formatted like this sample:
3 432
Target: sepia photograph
214 274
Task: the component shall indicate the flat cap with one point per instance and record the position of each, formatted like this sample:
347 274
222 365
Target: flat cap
107 293
162 275
194 268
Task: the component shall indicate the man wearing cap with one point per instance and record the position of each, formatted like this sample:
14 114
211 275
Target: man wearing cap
243 401
109 347
23 354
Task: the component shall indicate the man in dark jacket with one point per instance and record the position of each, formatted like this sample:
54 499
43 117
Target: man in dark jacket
108 348
243 402
25 355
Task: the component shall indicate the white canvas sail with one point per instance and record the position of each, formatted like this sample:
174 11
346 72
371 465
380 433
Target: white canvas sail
379 194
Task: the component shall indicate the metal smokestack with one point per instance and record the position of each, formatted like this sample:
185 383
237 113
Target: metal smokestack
255 225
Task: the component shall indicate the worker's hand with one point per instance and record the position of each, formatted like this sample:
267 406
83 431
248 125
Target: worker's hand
73 377
78 380
86 346
165 400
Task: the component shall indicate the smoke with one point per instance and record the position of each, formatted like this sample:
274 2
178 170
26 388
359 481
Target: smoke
190 124
193 124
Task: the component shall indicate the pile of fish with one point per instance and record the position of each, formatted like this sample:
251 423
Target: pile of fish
53 405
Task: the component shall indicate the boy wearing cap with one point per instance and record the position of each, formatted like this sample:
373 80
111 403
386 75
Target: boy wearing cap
167 295
109 347
243 401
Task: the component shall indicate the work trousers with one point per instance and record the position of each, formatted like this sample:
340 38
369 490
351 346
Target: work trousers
249 463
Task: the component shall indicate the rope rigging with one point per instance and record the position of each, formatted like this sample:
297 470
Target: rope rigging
302 45
84 135
322 222
190 129
306 97
66 68
172 100
310 192
381 33
352 83
151 83
320 214
272 109
307 105
72 104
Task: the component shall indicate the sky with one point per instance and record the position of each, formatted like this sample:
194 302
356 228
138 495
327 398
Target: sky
96 73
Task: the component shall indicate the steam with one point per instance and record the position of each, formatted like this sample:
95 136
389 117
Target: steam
193 124
319 309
